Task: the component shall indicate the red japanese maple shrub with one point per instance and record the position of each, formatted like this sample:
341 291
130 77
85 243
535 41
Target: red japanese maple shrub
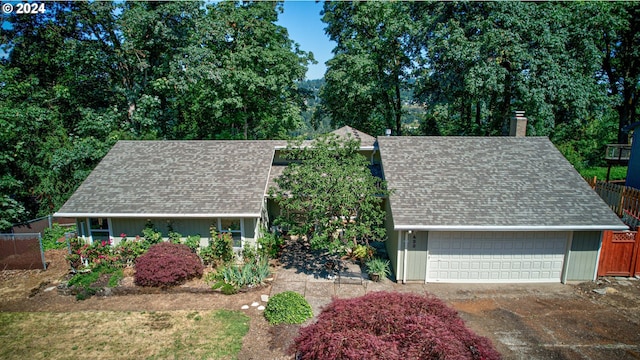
385 325
166 264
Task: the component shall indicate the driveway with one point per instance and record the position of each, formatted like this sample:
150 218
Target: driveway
524 321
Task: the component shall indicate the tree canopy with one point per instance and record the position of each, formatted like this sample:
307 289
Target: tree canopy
572 67
328 194
83 75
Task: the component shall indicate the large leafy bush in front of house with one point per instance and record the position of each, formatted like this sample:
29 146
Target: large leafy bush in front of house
166 264
288 307
385 325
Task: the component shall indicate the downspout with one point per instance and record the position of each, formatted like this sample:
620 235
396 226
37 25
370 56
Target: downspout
404 258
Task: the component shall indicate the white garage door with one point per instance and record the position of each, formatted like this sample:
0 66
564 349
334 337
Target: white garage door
496 256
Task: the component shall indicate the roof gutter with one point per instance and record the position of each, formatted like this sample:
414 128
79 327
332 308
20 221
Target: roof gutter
510 227
148 216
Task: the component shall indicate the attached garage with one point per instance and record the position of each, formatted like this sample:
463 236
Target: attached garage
489 210
496 256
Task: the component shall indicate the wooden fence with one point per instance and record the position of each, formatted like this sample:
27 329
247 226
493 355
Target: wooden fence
623 200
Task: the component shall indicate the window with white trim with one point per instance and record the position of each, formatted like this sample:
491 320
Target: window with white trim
99 229
233 227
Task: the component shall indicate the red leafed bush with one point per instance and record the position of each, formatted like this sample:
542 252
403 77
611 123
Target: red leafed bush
385 325
166 264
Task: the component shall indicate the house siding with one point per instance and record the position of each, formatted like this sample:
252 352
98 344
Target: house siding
393 243
133 227
583 255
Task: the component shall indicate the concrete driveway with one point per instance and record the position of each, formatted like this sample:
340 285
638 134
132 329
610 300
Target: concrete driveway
524 321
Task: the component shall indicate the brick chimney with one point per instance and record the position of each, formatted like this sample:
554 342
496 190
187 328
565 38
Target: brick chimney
518 124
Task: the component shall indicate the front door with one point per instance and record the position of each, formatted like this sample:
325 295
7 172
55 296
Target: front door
416 256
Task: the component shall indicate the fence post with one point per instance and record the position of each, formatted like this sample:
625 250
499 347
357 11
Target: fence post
44 263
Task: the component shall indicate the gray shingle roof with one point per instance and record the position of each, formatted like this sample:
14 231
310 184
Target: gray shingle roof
458 183
366 140
176 178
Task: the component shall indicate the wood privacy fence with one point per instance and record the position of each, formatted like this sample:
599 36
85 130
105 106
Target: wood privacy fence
623 200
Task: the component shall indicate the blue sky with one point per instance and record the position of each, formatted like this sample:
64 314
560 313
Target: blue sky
302 20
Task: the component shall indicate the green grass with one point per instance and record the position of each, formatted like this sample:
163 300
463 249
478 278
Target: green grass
124 335
617 172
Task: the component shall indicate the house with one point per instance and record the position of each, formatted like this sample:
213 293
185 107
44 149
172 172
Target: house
187 186
461 209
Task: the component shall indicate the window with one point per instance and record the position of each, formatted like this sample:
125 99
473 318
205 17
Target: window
99 229
233 227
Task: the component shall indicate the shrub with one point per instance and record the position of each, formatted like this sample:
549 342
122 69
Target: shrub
86 282
193 242
130 249
151 236
288 307
384 325
240 276
379 267
51 236
166 264
222 245
270 244
174 237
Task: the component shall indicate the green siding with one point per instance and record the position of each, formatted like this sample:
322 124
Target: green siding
583 255
392 243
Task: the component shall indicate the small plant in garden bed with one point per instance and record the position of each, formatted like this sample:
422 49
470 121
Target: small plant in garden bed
288 307
378 269
234 277
88 283
385 325
166 264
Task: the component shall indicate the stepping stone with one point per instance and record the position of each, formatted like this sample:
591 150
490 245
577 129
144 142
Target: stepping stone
245 307
254 304
51 288
260 307
264 298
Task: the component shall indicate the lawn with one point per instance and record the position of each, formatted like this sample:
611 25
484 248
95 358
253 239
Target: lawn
129 335
617 172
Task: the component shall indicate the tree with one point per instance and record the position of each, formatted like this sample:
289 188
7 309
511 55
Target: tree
481 61
84 75
371 64
328 194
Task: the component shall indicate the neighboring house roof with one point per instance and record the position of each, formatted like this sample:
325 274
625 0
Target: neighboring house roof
487 183
366 140
176 179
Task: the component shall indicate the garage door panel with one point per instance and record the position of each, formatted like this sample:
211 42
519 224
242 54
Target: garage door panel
496 257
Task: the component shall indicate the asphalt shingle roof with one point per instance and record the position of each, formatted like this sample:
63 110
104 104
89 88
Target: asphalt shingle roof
176 178
366 140
441 183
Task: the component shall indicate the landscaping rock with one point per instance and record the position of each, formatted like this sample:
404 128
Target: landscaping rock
264 298
254 304
244 307
260 308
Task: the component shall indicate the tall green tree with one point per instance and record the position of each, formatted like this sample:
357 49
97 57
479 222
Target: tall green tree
328 194
371 64
83 75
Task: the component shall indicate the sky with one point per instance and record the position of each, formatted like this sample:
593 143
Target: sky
302 20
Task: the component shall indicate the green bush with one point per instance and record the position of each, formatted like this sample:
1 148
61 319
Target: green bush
193 242
86 282
174 237
270 244
240 276
51 235
222 245
288 307
379 267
